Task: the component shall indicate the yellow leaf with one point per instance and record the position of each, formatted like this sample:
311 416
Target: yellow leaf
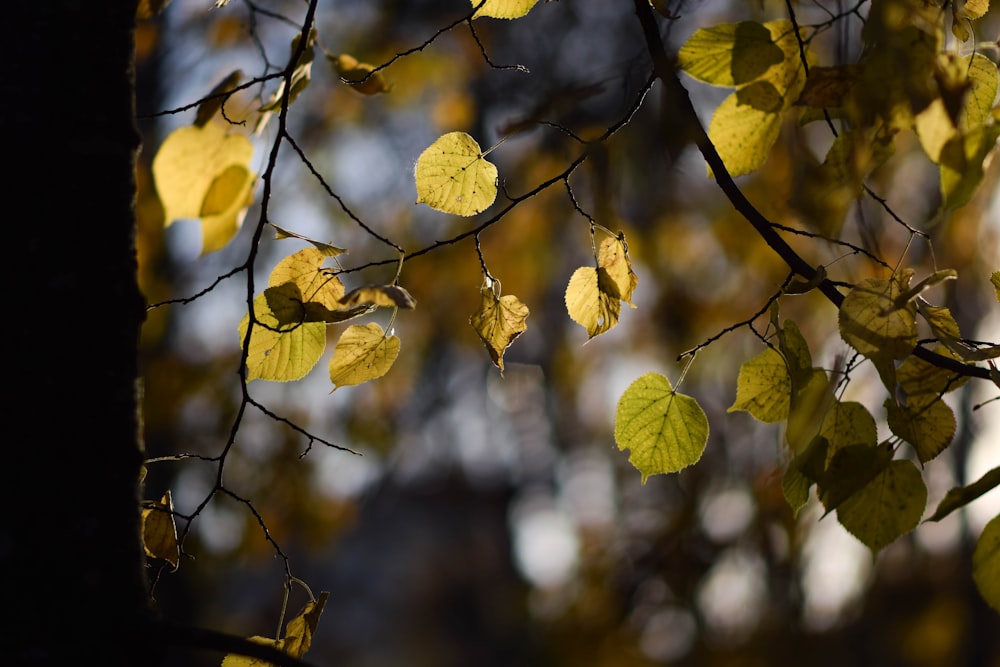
453 177
986 563
237 660
159 532
734 54
591 302
743 134
917 377
281 353
363 353
358 75
871 324
299 631
390 296
664 430
304 269
203 172
613 259
504 9
934 125
498 321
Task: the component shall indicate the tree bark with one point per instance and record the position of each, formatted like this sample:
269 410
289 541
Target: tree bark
71 556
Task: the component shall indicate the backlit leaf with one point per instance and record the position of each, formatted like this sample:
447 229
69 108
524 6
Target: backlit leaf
498 321
665 431
848 424
847 472
917 377
300 79
764 387
743 134
389 296
812 398
203 172
237 660
889 506
363 353
503 9
870 324
960 496
995 279
829 87
159 531
963 162
281 353
926 422
613 259
593 302
452 176
314 286
795 488
735 53
986 563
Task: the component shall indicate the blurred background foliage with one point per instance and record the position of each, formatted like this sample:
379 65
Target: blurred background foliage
492 521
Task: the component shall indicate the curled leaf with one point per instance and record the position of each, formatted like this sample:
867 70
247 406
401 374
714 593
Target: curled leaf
498 321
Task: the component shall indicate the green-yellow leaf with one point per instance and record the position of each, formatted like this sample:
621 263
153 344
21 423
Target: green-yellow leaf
926 422
917 377
734 54
764 387
504 9
812 398
452 176
995 279
613 259
592 300
986 563
159 531
848 424
963 161
849 471
795 487
363 353
389 296
498 321
871 325
665 431
889 506
960 496
281 353
203 172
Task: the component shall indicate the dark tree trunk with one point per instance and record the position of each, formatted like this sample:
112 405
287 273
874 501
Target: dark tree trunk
73 585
